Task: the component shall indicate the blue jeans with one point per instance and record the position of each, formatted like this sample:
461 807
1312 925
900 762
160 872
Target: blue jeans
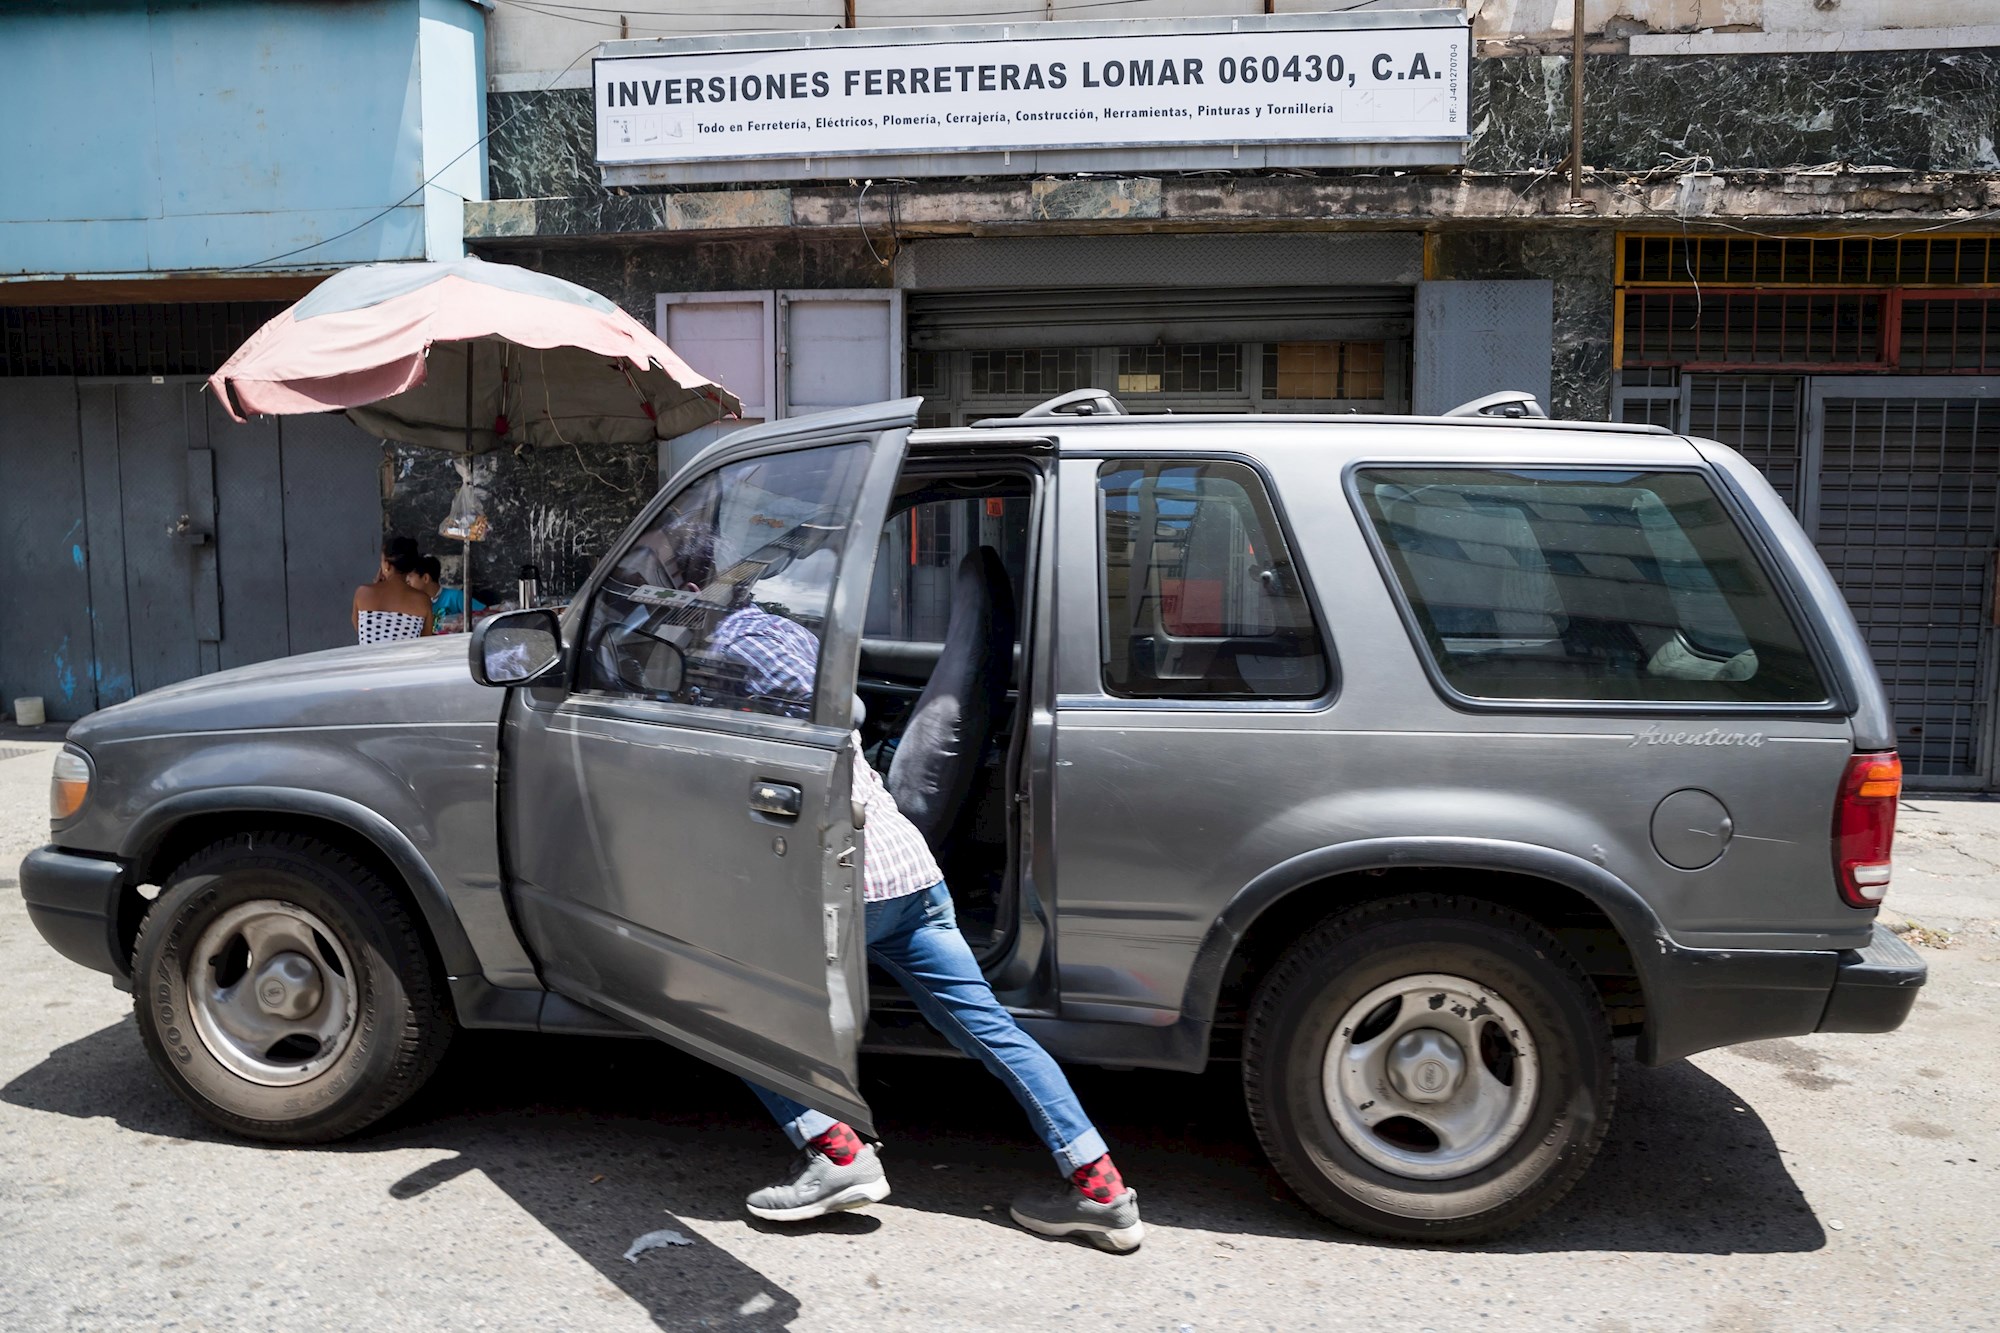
915 939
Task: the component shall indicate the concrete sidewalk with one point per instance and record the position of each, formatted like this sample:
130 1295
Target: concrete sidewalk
1947 883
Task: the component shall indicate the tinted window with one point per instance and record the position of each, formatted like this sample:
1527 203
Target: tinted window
1201 599
1587 585
722 601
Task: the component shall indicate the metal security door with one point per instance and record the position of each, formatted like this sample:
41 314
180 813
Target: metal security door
146 538
1902 495
152 439
1476 338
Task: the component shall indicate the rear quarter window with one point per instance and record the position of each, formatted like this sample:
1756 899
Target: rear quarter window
1587 585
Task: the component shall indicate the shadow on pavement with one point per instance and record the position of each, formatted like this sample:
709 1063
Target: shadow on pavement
603 1141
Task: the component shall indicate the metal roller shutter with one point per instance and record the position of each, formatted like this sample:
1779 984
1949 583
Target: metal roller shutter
1082 317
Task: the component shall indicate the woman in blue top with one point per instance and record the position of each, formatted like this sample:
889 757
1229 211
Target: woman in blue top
446 603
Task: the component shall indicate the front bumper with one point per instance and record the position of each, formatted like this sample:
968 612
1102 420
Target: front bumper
1699 999
73 901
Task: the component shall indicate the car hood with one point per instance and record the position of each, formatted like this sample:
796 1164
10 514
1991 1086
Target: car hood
400 684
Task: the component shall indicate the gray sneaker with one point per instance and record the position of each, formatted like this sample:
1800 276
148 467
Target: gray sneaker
818 1187
1113 1226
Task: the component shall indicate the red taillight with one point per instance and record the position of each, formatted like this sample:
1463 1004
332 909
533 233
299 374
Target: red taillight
1864 826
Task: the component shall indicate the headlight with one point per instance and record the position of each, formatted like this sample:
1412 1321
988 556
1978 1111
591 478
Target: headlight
69 784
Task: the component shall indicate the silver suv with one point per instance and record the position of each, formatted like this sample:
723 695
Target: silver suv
1410 762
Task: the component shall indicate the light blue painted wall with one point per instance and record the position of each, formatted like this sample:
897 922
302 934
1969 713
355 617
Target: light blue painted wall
175 136
452 55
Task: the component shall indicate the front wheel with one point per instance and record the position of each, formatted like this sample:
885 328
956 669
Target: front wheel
284 991
1428 1068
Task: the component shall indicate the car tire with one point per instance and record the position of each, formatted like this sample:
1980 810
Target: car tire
1493 1035
284 991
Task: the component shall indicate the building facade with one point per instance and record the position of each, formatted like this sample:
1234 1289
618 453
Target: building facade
1778 238
178 172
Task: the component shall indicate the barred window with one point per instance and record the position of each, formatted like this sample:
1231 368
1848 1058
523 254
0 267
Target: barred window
1181 368
1326 371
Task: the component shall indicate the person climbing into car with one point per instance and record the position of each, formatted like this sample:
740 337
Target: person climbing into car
913 935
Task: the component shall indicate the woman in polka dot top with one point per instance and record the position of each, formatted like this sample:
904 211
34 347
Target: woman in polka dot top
389 609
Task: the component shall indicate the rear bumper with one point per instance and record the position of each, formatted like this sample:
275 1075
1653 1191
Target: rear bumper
1700 999
1874 988
73 902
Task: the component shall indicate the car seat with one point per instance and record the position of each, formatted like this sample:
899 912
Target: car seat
940 750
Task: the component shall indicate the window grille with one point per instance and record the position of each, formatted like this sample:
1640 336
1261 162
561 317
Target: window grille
927 372
1734 328
1028 370
1958 333
1181 368
931 539
1325 371
1812 261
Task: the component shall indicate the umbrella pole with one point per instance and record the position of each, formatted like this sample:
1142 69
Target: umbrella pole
465 564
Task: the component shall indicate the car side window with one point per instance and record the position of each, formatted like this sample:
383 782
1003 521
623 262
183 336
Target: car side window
1590 585
1201 597
722 601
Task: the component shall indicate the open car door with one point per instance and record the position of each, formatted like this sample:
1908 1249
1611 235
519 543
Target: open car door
683 846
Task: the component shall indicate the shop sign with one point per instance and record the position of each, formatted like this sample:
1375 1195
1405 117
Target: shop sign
899 93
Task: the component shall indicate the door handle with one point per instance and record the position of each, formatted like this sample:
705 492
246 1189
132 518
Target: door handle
182 532
780 800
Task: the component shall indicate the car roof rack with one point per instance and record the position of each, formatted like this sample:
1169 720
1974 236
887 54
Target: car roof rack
1515 403
1078 403
1508 408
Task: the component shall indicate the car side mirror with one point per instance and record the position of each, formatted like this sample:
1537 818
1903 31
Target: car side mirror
517 648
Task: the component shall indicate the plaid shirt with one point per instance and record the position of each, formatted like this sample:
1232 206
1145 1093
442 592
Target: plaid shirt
898 861
780 659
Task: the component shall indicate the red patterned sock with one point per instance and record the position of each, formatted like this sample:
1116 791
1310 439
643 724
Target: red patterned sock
839 1145
1099 1181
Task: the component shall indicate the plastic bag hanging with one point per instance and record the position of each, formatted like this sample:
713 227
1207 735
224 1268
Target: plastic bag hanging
467 520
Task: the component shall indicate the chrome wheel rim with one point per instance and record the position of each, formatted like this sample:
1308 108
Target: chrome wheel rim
272 993
1430 1076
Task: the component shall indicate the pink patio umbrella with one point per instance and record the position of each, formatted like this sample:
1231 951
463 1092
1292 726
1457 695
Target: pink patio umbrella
469 356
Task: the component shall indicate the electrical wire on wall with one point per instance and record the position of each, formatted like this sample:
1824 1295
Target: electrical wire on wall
427 182
861 220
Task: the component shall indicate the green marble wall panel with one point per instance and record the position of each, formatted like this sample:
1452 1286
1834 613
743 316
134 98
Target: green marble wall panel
1919 110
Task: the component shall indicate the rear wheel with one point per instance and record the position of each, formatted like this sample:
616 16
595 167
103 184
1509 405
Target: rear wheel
1428 1068
284 992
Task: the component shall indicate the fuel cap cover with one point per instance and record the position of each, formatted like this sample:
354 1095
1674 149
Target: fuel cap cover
1691 828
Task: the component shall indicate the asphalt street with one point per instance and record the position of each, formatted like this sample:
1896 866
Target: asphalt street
1824 1182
